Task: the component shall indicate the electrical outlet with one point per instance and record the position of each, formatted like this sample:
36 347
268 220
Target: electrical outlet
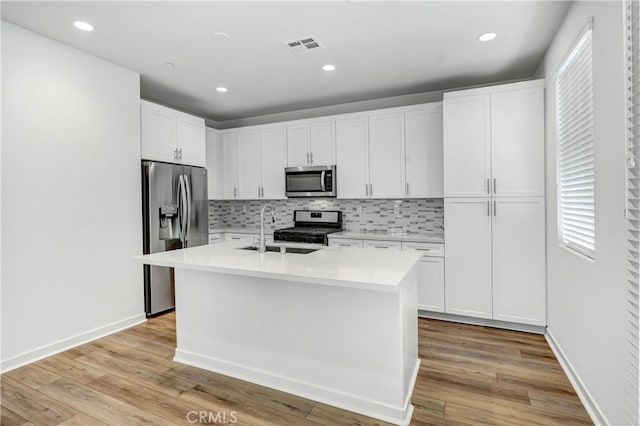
359 209
244 208
396 209
233 209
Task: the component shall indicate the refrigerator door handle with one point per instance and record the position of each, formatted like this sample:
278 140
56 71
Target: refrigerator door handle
187 187
178 200
184 212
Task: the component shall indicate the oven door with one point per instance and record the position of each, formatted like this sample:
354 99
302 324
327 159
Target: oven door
312 181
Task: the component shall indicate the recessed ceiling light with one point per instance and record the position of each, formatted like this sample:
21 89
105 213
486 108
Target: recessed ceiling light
487 36
329 67
83 26
222 36
221 89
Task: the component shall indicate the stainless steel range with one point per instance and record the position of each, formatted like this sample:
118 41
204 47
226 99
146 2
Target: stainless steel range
311 226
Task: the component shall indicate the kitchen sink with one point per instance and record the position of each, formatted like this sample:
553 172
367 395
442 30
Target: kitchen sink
298 250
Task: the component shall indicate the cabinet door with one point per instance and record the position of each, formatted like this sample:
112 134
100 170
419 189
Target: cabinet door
230 167
386 156
215 165
273 149
517 143
467 227
191 140
249 165
352 157
423 145
323 143
518 260
157 132
467 156
344 242
431 284
298 145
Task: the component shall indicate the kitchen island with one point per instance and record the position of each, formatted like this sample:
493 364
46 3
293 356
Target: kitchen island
338 326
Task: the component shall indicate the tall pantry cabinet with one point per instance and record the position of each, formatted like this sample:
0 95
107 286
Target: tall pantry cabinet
494 202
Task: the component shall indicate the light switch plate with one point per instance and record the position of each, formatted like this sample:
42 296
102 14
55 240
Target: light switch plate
359 209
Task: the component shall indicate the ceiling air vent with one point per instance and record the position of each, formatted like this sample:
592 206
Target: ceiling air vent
304 45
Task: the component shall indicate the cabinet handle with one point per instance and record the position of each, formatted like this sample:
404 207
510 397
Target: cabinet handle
235 192
422 249
308 158
384 247
366 189
262 191
494 186
488 208
494 208
175 154
407 190
371 189
488 187
258 192
311 158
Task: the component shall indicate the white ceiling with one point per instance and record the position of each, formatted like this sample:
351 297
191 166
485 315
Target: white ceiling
380 49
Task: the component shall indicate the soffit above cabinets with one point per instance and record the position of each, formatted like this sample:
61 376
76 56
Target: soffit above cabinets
379 49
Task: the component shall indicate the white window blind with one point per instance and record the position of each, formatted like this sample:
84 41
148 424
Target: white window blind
574 125
632 31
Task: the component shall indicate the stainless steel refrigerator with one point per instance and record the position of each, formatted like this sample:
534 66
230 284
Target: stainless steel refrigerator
175 215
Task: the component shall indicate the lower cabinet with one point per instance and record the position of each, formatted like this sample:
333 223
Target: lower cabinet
495 258
430 271
237 236
430 275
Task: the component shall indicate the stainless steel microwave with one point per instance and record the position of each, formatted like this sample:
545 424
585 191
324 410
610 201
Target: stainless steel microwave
310 181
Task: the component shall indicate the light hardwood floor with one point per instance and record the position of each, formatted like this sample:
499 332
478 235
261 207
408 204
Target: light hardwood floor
469 375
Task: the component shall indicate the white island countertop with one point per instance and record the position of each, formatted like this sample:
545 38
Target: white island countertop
365 269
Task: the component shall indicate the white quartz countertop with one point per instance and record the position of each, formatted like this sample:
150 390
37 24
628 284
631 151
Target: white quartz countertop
414 237
359 268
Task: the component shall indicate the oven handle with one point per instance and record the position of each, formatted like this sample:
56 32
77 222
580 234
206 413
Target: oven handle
322 175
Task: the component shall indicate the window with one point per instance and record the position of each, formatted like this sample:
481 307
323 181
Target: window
632 31
574 127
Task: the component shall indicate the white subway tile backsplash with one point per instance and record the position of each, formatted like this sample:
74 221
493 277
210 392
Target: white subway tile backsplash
415 215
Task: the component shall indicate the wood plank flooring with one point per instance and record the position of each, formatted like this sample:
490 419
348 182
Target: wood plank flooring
470 375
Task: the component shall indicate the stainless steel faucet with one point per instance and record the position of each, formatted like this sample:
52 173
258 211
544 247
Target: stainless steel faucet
262 246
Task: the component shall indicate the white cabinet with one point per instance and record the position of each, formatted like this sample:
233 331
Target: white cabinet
172 136
370 156
495 258
386 156
467 227
215 165
494 141
249 180
230 165
247 238
518 237
467 149
352 140
216 238
423 152
517 143
345 242
311 144
393 245
273 151
261 162
430 275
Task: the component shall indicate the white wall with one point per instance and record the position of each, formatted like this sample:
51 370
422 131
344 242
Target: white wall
587 301
71 209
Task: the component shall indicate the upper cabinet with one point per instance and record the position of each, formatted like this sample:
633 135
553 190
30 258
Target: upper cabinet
391 153
423 152
311 144
171 136
215 165
494 141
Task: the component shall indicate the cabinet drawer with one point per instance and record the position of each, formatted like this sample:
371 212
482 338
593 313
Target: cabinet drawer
428 249
395 245
216 238
238 237
344 242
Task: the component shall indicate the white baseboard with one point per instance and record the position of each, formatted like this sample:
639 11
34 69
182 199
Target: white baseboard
376 409
62 345
481 321
587 400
